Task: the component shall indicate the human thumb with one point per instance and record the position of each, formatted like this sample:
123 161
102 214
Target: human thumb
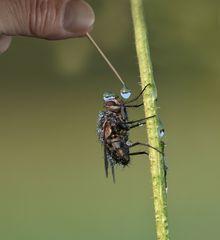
48 19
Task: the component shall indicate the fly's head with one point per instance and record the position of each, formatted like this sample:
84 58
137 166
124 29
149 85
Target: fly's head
112 102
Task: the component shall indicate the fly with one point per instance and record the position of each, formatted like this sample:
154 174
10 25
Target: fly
113 131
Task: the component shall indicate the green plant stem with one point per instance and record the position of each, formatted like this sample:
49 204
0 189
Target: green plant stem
153 124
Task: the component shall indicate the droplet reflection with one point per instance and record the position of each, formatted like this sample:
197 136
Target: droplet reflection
125 92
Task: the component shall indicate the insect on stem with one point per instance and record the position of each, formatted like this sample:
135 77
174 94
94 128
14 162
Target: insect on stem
104 57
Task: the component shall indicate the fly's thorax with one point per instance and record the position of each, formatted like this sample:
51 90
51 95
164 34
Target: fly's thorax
112 102
112 106
124 113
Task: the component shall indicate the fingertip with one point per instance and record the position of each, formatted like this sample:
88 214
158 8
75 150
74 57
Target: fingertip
79 17
5 42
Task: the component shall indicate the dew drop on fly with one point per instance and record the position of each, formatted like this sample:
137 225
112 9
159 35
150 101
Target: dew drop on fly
125 92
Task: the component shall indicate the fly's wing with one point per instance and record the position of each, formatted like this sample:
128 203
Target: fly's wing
106 161
107 129
113 172
107 132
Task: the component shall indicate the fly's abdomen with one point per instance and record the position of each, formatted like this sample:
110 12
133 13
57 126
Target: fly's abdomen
120 152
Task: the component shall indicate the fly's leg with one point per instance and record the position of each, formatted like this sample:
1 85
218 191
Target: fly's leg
135 106
136 125
144 144
138 153
165 166
136 98
139 120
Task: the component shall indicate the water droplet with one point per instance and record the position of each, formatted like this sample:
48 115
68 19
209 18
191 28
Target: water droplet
154 92
108 96
161 129
162 133
125 92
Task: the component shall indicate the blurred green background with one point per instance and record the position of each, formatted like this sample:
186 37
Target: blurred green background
52 178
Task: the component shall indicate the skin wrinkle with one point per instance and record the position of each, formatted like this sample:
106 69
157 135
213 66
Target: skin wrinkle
32 16
43 10
38 21
52 16
22 18
49 16
26 6
40 13
46 17
18 8
11 8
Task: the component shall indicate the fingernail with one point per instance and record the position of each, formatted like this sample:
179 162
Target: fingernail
78 17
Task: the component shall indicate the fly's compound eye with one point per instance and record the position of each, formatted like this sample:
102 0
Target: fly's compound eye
125 92
108 96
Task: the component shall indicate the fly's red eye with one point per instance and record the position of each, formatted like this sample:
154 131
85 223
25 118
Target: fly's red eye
110 103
